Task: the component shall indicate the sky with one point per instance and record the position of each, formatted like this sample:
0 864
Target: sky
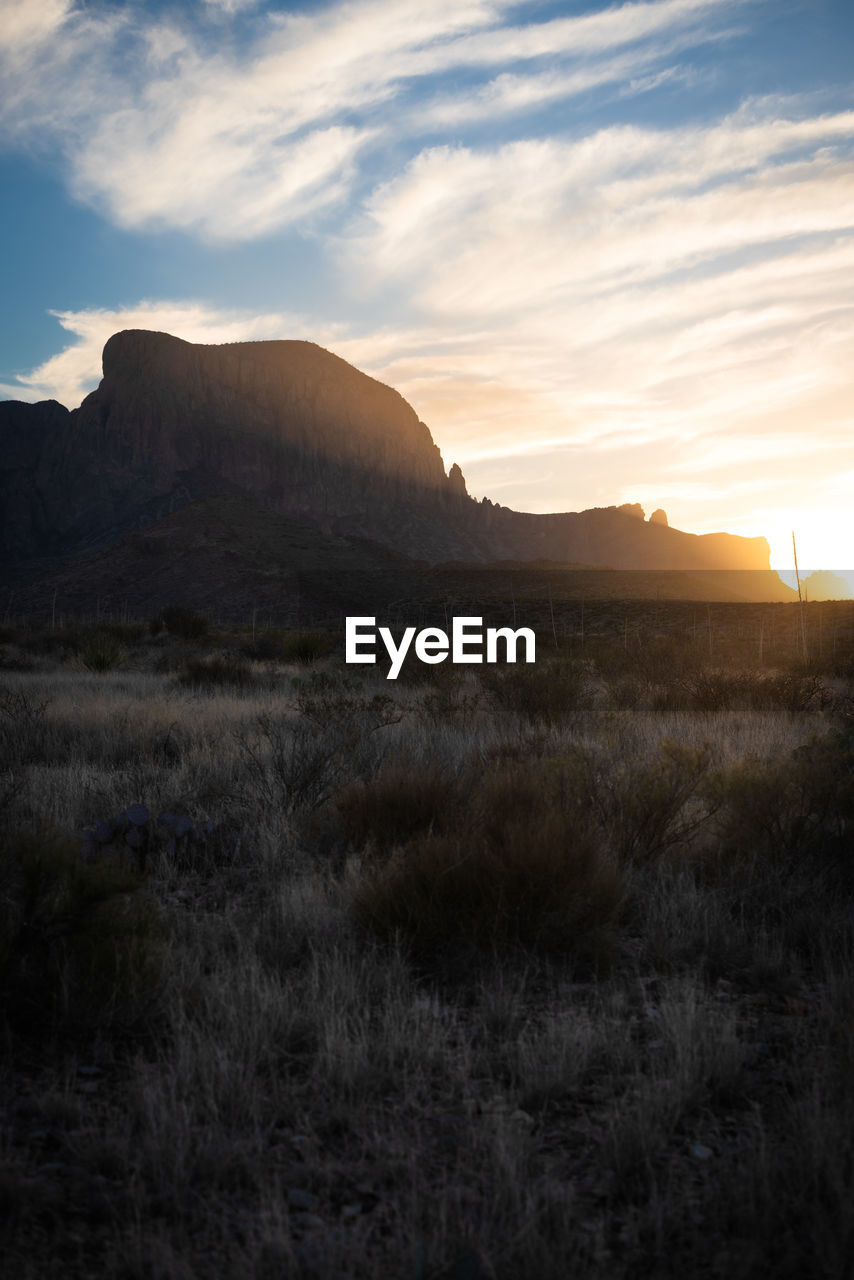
606 251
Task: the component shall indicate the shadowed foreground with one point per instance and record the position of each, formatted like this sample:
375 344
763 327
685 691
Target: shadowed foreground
541 971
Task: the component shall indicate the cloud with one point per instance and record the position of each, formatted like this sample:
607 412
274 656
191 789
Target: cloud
162 125
718 261
514 93
26 26
515 225
58 63
231 6
271 182
633 310
611 28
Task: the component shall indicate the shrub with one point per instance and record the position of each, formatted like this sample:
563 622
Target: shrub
546 693
334 700
783 853
24 731
531 745
20 708
446 701
274 644
293 766
794 692
200 847
500 880
657 660
397 805
758 813
14 659
268 645
714 690
102 653
36 640
216 672
711 689
182 622
128 633
648 808
788 808
628 692
79 946
304 646
298 764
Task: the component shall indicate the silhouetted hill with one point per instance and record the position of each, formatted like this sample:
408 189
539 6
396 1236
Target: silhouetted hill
227 557
296 431
286 422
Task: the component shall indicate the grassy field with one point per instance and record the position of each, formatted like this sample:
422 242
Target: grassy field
523 972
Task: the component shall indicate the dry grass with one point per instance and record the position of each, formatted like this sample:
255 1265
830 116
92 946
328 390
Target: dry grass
473 993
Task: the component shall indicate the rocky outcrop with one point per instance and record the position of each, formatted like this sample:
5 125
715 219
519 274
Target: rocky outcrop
607 536
457 481
659 517
632 509
300 432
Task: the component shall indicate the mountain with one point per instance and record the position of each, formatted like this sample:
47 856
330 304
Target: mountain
288 423
824 585
299 432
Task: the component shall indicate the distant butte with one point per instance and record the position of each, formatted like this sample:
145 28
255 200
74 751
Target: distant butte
300 432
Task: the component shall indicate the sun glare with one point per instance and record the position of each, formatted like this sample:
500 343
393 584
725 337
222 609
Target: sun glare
824 537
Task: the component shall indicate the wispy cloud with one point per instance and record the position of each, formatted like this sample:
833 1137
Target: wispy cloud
513 93
161 125
26 26
677 301
611 28
659 268
514 225
231 6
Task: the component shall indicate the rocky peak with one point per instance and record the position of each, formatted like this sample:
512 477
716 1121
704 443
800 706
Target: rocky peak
633 509
457 481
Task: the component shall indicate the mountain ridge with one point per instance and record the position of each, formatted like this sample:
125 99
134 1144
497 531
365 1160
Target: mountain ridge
301 432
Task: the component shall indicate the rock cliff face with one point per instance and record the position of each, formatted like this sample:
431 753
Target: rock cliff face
299 431
234 409
25 515
288 422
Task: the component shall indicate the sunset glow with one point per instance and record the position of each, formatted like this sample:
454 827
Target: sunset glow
606 251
